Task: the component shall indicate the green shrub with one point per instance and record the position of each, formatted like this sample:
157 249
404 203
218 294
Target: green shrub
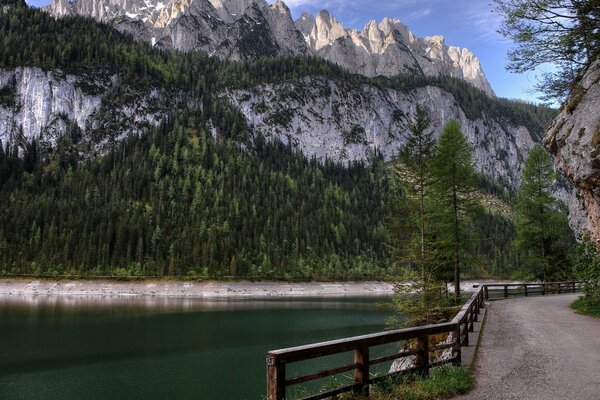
582 306
586 265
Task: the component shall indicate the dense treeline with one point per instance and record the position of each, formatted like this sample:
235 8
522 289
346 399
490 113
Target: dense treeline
178 202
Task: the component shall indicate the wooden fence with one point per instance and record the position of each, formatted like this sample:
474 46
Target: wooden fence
457 330
526 289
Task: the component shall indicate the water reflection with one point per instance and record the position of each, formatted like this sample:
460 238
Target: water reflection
185 304
151 348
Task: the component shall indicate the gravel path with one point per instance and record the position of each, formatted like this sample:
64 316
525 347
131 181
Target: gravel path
538 348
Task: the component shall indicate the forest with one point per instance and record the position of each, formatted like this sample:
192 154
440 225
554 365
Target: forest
178 201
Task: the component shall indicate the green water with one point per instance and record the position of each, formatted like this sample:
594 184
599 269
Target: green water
66 349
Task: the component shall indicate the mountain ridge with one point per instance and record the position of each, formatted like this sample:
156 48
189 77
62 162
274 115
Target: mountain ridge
247 30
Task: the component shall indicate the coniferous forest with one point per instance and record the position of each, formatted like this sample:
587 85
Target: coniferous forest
181 201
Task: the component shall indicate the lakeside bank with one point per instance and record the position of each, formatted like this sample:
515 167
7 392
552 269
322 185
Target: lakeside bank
201 290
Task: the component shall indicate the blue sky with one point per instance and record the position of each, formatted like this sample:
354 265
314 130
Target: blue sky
465 23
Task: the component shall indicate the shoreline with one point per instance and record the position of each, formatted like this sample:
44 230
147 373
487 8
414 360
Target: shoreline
200 290
197 290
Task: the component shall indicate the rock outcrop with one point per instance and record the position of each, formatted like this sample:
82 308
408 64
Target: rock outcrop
574 140
40 105
389 48
340 121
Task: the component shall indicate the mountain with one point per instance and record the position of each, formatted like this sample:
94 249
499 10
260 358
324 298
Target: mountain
249 30
574 139
122 157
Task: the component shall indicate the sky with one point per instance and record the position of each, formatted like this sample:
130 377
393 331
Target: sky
464 23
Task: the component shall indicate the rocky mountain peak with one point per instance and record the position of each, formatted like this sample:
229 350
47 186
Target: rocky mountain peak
388 48
305 23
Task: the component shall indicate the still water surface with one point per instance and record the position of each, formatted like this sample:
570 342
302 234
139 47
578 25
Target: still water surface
74 348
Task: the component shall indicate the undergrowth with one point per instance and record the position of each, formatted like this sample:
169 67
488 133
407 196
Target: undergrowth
583 306
442 383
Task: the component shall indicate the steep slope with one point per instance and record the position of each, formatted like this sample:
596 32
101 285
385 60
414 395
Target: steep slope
574 139
389 48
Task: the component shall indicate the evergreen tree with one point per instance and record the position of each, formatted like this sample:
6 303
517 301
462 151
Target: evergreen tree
412 227
542 232
454 192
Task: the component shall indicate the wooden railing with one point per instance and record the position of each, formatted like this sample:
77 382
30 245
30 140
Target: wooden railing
459 327
526 289
457 330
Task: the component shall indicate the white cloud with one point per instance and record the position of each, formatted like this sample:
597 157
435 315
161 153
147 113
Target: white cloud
419 14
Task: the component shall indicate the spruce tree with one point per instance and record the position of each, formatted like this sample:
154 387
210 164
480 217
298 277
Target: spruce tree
454 192
412 227
543 237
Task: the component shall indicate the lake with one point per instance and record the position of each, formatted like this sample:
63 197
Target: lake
77 348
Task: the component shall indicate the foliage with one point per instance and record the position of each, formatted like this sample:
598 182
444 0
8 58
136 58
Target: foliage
565 33
454 194
586 307
442 383
543 237
586 265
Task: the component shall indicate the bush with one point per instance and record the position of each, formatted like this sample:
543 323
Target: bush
442 383
582 306
586 265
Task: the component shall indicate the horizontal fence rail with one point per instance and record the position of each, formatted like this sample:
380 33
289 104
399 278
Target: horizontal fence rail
526 289
457 331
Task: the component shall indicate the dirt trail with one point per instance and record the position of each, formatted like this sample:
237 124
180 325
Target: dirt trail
538 348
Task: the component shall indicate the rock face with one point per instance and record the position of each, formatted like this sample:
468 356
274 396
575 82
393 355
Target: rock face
251 29
41 103
574 139
339 121
389 48
36 104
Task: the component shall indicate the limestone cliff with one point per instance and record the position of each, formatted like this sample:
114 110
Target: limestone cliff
333 119
574 139
37 104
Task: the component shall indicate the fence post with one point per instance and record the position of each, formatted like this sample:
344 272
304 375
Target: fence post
543 289
275 378
457 346
361 371
525 290
487 294
505 290
573 286
422 357
558 288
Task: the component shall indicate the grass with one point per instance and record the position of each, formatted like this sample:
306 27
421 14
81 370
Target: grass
442 383
582 306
